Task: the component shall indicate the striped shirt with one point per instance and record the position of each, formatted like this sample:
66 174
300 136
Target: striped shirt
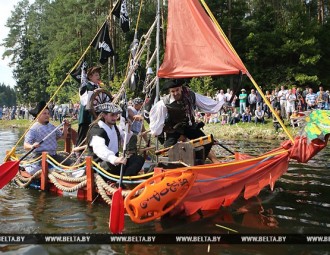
311 98
38 132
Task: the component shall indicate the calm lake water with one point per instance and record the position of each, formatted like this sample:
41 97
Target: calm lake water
300 203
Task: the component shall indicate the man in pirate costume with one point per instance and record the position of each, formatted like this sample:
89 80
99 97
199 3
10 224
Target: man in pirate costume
175 115
38 131
104 139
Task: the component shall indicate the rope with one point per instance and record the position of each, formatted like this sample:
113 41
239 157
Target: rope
66 189
103 187
116 179
138 19
117 176
248 74
135 60
30 162
63 166
55 93
281 151
58 169
23 182
102 192
69 179
108 188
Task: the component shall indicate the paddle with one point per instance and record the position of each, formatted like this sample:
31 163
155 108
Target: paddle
9 169
117 211
218 143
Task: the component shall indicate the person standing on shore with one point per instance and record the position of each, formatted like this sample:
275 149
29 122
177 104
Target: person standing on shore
242 101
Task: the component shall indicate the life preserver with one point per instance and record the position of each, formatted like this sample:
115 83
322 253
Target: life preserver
158 195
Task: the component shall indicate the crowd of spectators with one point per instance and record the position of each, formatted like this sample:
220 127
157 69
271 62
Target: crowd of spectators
57 111
251 107
244 107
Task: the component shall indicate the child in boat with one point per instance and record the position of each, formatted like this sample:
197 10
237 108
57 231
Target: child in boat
87 87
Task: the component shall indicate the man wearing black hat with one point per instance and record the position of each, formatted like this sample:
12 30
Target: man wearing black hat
175 114
85 91
104 139
39 130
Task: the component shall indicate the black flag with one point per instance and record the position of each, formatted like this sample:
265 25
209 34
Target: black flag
120 11
103 44
76 73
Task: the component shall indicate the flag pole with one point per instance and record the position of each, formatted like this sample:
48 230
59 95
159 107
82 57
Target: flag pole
157 52
157 62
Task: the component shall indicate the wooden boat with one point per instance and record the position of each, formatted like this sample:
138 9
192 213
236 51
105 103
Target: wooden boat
179 186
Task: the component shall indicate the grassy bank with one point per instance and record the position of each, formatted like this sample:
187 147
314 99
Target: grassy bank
239 131
248 131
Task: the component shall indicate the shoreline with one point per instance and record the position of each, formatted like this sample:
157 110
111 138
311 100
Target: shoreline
237 131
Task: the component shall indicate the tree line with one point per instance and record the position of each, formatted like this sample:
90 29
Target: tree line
7 95
282 42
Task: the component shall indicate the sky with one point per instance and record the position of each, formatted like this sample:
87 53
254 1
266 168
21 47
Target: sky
6 73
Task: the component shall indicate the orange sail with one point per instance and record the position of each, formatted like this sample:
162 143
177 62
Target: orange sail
194 45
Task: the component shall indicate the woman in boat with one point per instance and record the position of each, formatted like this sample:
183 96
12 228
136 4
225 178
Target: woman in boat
104 139
174 115
38 131
85 91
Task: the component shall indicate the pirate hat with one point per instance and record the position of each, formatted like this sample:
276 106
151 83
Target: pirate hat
41 105
137 100
108 107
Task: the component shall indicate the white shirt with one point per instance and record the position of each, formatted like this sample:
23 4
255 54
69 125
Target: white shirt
104 152
228 97
220 97
291 99
282 94
158 112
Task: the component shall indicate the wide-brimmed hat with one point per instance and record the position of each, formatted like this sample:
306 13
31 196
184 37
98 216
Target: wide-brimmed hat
41 105
93 69
108 107
137 100
243 90
173 83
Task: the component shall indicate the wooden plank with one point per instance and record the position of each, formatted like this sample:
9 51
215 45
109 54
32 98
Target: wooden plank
44 173
195 143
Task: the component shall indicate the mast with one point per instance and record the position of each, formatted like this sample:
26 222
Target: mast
157 63
157 50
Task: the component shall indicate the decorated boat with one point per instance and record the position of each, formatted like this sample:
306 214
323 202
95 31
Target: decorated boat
177 182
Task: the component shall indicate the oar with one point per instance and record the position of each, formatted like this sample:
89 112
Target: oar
9 169
117 211
218 143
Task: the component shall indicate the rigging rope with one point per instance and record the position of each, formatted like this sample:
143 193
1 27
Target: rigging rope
248 74
55 93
